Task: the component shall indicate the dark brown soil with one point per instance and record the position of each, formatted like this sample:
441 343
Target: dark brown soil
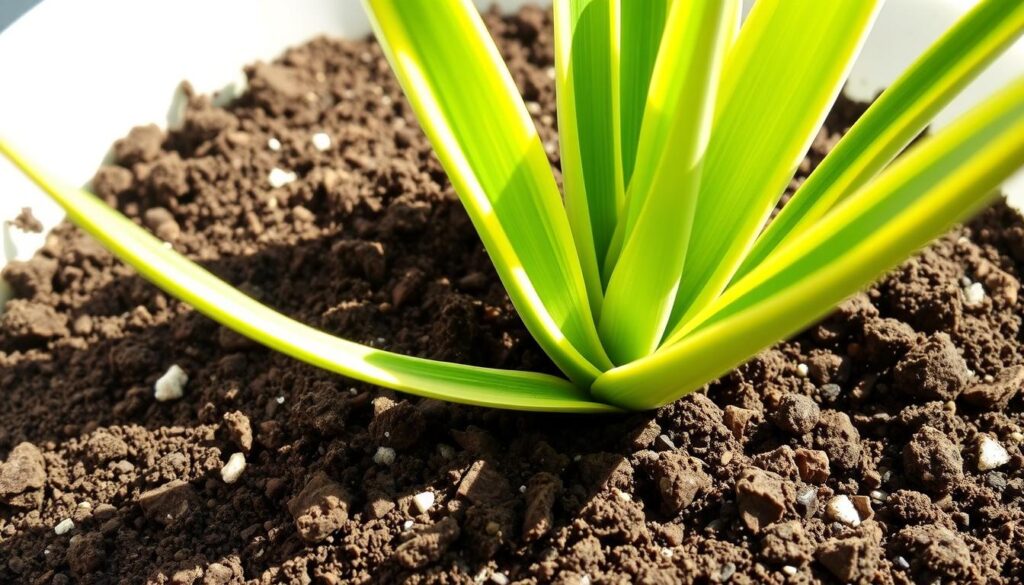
853 453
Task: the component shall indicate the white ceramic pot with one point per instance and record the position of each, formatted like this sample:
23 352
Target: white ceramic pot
75 75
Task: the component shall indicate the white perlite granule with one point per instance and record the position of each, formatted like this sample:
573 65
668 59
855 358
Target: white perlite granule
974 294
321 141
170 386
65 526
233 469
841 509
991 454
274 144
279 178
802 370
424 501
384 456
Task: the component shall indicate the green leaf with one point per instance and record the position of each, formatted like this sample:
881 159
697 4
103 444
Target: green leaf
641 27
223 303
943 180
586 86
472 113
899 114
673 139
780 80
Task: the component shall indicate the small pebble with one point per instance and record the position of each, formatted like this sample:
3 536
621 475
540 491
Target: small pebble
974 294
879 496
321 141
789 570
384 456
423 501
407 525
902 563
65 526
279 178
726 572
991 454
841 509
802 369
170 386
233 469
274 144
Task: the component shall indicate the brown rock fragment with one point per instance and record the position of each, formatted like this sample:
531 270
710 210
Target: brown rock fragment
103 447
812 465
763 498
28 322
998 393
238 429
541 491
399 426
933 370
1001 284
680 478
320 508
428 545
838 438
780 460
483 484
169 504
933 460
22 477
85 553
141 145
736 419
936 554
853 559
786 543
887 340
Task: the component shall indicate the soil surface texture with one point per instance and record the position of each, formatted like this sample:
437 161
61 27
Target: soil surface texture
883 445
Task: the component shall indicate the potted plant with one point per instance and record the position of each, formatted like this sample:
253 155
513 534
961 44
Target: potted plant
658 275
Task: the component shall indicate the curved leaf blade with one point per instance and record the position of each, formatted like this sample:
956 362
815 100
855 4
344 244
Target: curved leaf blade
642 25
780 79
586 88
675 131
225 304
897 116
471 111
939 182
